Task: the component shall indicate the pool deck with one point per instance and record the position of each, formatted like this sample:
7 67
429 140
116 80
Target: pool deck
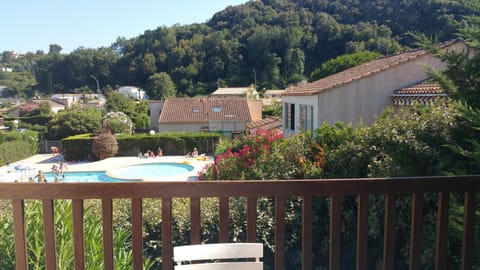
44 162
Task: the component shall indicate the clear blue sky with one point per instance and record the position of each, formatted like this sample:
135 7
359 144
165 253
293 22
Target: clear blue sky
31 25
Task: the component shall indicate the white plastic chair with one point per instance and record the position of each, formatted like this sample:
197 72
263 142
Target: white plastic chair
224 256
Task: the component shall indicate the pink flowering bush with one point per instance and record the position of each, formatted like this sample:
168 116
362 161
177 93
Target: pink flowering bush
263 155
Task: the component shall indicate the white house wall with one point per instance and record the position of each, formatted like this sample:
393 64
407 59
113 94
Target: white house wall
363 99
226 126
300 100
193 127
196 127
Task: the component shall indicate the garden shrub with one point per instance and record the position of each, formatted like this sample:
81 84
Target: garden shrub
15 146
265 155
105 145
117 122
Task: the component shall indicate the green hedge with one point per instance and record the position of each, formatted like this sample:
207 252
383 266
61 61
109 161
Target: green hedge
15 146
32 120
79 147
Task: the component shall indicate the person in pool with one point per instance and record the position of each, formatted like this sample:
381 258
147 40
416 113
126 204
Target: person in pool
40 177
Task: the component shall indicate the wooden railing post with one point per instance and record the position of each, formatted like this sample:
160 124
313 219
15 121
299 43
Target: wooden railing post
223 215
335 233
167 248
195 231
442 231
21 260
362 231
416 231
252 219
468 230
49 235
78 240
389 232
307 233
279 233
137 233
107 225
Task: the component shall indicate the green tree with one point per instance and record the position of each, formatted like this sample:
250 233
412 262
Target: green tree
160 86
141 118
55 49
18 84
117 102
341 63
73 121
44 109
294 65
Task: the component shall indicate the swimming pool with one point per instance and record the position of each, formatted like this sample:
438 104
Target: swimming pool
75 177
149 171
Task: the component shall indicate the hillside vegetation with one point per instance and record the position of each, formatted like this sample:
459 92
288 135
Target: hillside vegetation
275 42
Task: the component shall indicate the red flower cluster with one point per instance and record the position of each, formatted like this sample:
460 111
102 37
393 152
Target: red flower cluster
242 153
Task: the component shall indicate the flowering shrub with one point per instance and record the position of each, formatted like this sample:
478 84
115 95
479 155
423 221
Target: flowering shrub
118 122
263 155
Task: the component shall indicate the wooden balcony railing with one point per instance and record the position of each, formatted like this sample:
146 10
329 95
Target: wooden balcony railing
468 186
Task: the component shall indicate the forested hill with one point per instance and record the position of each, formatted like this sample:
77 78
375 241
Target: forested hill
276 42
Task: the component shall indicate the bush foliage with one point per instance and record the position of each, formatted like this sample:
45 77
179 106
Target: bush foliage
16 146
105 145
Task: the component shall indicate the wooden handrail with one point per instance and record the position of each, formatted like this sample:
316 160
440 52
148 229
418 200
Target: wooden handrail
334 189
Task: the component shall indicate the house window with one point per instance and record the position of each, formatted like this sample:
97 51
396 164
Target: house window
289 116
306 117
217 109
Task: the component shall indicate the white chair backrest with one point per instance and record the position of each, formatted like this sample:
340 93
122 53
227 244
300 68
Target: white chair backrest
224 256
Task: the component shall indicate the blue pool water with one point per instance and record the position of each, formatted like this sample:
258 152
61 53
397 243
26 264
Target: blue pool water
153 171
150 171
81 177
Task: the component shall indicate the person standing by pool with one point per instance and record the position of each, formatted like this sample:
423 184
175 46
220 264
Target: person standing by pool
61 168
159 152
40 177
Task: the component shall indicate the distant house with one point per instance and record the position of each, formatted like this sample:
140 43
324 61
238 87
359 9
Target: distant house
86 100
226 115
154 109
55 106
360 93
23 108
248 92
132 92
272 96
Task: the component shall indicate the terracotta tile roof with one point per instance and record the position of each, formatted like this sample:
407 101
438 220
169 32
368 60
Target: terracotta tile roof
426 87
52 103
266 123
424 93
359 72
194 110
